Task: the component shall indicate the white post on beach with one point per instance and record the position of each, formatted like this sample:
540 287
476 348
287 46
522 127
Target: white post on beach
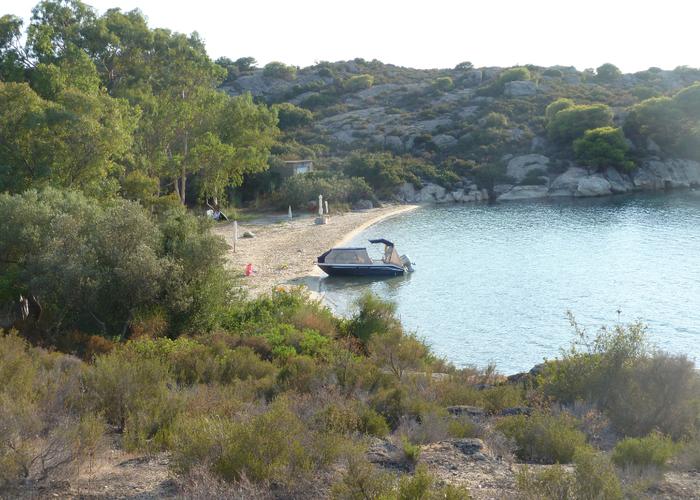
320 205
235 234
290 212
327 212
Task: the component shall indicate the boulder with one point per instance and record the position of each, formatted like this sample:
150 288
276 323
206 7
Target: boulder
523 88
524 193
538 144
657 174
407 192
499 189
458 195
566 184
431 193
519 166
394 143
517 410
619 183
593 185
444 141
465 411
468 112
248 234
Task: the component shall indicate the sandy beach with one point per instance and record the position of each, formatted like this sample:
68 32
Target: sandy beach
283 252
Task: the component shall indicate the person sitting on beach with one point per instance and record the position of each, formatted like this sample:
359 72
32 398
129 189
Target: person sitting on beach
216 213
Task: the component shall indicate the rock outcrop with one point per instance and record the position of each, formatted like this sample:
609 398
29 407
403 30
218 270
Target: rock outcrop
519 166
520 88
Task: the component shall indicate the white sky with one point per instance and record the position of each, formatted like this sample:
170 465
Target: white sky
634 35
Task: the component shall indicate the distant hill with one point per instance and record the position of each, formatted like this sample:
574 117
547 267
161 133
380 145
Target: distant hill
484 116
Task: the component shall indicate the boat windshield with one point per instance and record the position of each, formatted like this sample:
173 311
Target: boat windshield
348 256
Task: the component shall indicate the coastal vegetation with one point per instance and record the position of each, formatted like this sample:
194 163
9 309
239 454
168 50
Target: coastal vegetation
122 327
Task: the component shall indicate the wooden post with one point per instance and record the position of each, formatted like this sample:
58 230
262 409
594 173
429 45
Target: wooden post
320 205
235 234
290 212
327 212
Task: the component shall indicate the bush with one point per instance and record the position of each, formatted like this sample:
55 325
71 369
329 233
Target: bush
357 83
421 485
45 432
273 446
608 73
603 147
652 450
542 437
659 119
96 266
552 483
637 390
121 386
301 189
595 476
571 122
291 116
398 352
280 71
373 315
554 107
443 84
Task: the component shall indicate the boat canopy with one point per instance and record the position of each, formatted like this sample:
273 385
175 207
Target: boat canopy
346 256
382 240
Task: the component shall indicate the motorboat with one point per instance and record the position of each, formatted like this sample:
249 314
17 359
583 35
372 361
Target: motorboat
355 261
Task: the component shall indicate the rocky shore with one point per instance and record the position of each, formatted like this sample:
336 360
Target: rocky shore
574 181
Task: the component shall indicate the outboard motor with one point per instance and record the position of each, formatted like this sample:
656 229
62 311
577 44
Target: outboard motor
407 263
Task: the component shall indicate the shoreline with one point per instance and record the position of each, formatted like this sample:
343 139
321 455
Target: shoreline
283 252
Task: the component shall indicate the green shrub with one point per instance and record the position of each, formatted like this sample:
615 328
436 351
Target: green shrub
273 446
443 84
555 106
421 486
659 119
500 397
121 386
291 116
552 483
542 437
46 433
398 352
571 122
603 147
411 452
358 82
638 390
595 476
608 73
280 71
96 266
372 316
362 480
299 190
652 450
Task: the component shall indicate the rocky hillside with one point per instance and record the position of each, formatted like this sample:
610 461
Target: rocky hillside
495 119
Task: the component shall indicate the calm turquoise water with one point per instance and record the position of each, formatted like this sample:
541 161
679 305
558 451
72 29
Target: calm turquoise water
493 283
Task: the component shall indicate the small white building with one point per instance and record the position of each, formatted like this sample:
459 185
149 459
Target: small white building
295 167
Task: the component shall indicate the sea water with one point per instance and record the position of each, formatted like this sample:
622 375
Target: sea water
493 283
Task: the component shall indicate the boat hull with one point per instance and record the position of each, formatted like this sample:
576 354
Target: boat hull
360 270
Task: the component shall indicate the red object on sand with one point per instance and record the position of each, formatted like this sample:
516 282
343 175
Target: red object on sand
248 269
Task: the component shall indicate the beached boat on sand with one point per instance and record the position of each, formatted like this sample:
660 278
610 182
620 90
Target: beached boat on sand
357 262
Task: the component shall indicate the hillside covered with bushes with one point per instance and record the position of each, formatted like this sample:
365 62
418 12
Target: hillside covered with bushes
122 333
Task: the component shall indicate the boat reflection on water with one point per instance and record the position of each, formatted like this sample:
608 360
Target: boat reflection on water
341 292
